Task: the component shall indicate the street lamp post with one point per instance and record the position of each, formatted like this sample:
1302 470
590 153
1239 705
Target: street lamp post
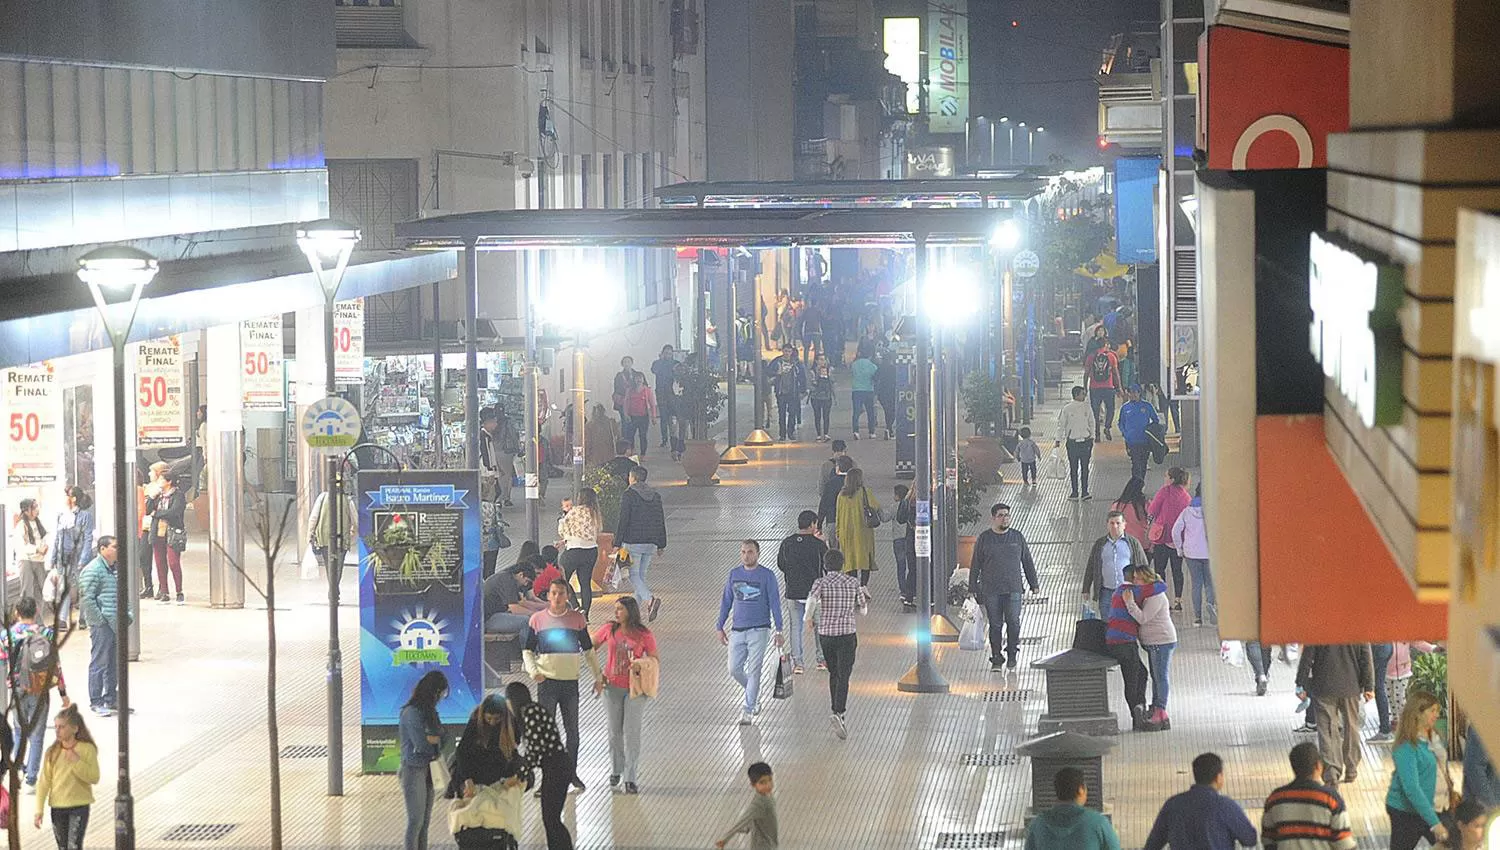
1022 125
732 455
1030 138
1010 144
328 245
582 299
992 141
115 276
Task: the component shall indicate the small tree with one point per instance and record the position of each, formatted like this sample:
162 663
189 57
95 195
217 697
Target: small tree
27 721
610 490
984 403
701 397
269 533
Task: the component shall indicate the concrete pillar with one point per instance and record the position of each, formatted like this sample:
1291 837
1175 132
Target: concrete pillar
309 376
225 453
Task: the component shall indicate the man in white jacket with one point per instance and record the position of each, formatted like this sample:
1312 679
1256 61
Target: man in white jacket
1190 536
1075 426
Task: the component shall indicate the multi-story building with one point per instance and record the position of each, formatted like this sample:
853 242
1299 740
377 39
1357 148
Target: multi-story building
851 117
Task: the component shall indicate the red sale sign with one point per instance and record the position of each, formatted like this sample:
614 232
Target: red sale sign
33 416
262 385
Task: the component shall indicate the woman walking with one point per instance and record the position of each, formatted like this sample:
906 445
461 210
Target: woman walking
487 755
856 538
579 529
29 539
70 769
626 641
820 392
1166 506
835 598
1190 537
537 730
421 741
168 536
1132 503
1157 634
1414 780
72 547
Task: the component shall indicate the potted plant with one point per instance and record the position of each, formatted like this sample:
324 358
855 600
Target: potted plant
704 401
610 489
970 491
984 407
1429 672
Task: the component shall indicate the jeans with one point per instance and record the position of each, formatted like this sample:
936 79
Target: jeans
747 655
640 561
1203 582
789 411
1106 598
33 709
1131 670
1382 655
1159 656
1407 829
1004 612
1102 399
636 426
906 571
1259 656
1339 722
416 790
665 421
167 558
822 408
103 674
888 409
506 623
839 649
864 400
796 626
552 694
1079 454
1139 454
557 775
1169 561
581 562
1028 472
624 731
69 825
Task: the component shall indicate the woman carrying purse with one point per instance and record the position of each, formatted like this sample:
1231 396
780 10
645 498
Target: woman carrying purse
168 536
856 534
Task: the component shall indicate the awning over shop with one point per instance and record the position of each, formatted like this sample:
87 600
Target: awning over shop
772 194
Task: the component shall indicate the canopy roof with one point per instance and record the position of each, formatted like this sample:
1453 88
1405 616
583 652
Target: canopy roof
960 191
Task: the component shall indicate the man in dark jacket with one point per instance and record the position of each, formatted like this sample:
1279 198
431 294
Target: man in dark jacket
643 533
622 463
800 560
1335 677
1001 563
1109 558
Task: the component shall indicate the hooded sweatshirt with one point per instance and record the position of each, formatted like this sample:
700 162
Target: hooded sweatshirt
1189 534
1069 826
642 518
1168 504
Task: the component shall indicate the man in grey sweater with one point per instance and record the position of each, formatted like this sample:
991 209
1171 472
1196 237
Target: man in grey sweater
1001 563
1336 677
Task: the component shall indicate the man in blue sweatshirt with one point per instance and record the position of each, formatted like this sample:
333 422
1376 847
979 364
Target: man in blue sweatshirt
1136 415
1202 818
1069 825
755 598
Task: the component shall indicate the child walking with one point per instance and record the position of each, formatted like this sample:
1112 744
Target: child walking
1028 453
759 817
70 769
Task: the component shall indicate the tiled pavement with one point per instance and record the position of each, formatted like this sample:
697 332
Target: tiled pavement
899 781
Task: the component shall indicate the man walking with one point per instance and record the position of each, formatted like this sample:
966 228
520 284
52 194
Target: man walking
1202 818
1109 558
789 381
1335 677
1136 416
752 596
1001 563
556 636
96 596
1068 825
498 444
800 560
664 369
642 530
1076 427
1306 814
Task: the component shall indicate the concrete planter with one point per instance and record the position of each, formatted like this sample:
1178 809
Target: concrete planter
700 460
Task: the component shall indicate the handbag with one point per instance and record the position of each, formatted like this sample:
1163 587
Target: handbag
1158 532
177 539
872 516
783 689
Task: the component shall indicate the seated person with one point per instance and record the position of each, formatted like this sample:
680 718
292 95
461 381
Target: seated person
549 571
507 609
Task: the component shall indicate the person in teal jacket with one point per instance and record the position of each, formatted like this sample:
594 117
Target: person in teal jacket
1414 781
1069 825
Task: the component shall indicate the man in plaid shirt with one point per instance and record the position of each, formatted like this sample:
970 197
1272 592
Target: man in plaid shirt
837 596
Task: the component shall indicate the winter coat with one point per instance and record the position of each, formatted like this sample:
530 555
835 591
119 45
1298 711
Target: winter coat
1189 534
1166 506
856 538
642 517
1153 612
1336 671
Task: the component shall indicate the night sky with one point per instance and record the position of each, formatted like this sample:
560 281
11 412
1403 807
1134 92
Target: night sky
1042 70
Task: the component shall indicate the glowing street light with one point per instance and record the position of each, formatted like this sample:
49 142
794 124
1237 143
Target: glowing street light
1007 236
584 297
951 296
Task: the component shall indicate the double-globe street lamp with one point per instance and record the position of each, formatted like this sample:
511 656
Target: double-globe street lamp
328 245
116 275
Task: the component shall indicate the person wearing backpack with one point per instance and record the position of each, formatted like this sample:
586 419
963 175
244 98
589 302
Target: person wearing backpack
97 603
34 671
1103 369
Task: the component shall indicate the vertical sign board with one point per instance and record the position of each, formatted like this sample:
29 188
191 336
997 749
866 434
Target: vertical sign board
262 384
349 342
420 607
947 65
159 417
1135 208
33 418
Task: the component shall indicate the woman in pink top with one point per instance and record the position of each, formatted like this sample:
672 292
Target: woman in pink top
1166 506
1132 503
624 640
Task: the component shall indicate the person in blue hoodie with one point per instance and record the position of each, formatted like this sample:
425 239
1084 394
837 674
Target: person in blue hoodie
1136 415
1069 825
754 598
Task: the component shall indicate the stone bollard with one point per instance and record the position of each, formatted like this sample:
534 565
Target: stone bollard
1077 693
1053 752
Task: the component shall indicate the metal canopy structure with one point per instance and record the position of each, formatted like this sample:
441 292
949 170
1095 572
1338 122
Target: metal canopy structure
515 230
867 194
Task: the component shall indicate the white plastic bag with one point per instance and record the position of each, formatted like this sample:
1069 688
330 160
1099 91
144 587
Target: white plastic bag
1232 652
1057 465
309 564
976 627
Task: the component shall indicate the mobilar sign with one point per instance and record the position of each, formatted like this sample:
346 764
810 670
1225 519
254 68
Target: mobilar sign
948 65
1355 332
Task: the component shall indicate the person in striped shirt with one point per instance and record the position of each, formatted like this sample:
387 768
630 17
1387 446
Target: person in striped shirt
1306 814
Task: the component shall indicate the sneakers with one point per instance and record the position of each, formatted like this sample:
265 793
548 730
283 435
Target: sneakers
103 710
1177 604
1138 718
840 728
1260 685
746 719
1158 721
1307 728
632 788
614 782
996 666
1073 497
148 593
1088 497
181 600
1197 622
578 784
856 435
1382 738
872 435
1010 663
823 666
163 597
653 608
1108 435
797 670
30 789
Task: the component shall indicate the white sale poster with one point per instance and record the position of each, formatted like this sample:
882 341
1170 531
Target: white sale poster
262 385
159 418
33 413
349 342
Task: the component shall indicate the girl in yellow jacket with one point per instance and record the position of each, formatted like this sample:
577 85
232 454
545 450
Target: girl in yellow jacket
70 770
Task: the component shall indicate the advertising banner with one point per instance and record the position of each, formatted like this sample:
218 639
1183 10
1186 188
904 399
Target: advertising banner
349 342
261 383
159 418
33 415
947 65
1135 208
420 607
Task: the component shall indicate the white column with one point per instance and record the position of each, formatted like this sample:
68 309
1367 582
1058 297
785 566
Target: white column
224 451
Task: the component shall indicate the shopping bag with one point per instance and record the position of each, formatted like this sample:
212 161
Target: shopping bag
783 689
1087 611
1232 652
309 564
1057 465
971 636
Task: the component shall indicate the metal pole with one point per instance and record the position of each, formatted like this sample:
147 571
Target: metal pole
580 399
951 372
335 571
923 677
938 355
731 360
471 355
124 800
967 122
992 147
533 431
437 377
1010 147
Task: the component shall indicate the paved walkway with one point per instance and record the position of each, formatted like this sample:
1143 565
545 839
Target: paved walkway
916 771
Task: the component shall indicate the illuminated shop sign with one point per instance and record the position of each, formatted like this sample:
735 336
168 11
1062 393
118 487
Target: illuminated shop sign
947 65
1355 333
903 57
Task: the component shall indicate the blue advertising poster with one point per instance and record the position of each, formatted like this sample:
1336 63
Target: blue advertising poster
1135 208
420 606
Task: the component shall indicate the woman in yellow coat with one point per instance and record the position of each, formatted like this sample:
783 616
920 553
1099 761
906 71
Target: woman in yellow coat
856 537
